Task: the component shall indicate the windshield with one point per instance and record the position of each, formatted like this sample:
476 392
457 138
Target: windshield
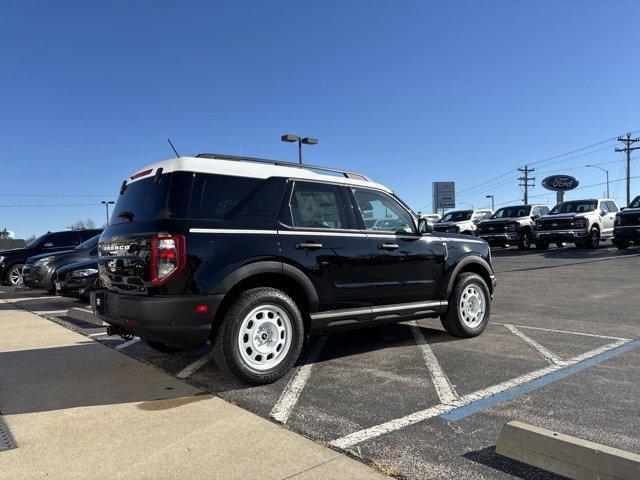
513 212
142 200
89 244
459 216
36 241
635 203
577 206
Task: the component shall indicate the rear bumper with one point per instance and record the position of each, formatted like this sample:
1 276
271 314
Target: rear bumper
168 319
562 235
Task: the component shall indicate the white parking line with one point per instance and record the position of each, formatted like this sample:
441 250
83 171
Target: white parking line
24 299
289 397
189 369
573 333
548 355
398 423
98 334
128 343
49 312
444 388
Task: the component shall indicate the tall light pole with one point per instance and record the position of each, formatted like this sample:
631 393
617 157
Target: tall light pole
493 206
605 171
106 204
289 137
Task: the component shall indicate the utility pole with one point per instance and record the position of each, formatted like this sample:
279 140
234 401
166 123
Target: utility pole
526 181
628 141
106 204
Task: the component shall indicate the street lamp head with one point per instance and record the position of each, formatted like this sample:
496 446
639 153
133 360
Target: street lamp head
289 137
309 141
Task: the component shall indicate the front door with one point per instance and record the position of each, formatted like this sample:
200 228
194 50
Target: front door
407 266
318 235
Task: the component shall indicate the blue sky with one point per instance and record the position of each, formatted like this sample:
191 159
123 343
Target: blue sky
407 92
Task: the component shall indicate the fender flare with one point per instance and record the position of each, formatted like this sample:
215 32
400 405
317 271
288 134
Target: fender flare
468 260
280 268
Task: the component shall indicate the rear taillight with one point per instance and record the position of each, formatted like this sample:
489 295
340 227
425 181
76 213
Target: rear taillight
168 257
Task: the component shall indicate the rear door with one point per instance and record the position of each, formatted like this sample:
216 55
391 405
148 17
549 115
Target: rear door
318 234
407 266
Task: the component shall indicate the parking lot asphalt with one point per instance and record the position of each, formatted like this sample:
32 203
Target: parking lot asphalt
561 352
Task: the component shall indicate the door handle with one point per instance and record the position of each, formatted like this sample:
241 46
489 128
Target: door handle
388 246
309 245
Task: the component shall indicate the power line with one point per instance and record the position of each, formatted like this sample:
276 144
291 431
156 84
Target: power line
524 181
52 205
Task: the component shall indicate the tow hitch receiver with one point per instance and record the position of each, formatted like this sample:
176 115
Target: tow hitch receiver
123 332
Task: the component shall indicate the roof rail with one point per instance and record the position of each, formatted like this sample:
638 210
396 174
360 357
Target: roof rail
237 158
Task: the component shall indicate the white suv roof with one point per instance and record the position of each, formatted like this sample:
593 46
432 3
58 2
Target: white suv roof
249 169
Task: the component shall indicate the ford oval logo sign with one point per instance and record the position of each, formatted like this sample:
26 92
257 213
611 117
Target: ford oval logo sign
560 183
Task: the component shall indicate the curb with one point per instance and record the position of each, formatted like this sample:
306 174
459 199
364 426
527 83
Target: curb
565 455
85 315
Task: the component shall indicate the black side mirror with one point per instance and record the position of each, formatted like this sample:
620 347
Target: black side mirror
425 226
602 213
535 217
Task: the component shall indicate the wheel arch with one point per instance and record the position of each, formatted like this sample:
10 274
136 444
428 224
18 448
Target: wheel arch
473 264
282 276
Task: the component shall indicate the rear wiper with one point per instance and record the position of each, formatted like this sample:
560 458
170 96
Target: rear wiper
126 215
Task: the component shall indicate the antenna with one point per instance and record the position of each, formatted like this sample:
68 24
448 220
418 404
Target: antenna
174 148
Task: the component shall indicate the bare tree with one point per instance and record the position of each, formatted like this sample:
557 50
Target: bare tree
83 224
4 234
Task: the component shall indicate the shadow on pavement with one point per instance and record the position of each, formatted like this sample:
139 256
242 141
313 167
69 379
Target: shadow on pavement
488 457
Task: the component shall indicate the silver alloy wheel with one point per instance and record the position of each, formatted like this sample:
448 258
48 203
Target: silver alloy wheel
264 338
15 275
472 305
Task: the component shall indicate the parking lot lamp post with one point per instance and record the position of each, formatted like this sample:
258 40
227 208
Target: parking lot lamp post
493 206
606 172
289 137
106 204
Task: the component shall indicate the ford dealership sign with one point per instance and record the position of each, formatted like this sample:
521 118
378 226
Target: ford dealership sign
560 183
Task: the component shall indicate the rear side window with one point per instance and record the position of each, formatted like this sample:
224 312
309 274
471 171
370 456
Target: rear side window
71 239
214 197
612 206
317 205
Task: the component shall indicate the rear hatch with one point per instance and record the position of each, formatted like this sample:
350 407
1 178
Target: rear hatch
126 246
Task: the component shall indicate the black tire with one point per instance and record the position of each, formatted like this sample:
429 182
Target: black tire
7 278
542 245
594 238
162 347
561 244
526 241
621 244
226 350
452 320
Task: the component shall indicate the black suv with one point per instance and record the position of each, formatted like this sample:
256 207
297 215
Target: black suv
12 261
511 226
39 271
626 228
254 255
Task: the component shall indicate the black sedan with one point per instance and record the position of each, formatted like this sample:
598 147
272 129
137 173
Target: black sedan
12 261
77 279
38 271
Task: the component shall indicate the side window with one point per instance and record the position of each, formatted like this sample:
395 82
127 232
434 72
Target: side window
70 239
382 213
544 210
612 206
213 197
317 205
604 207
535 212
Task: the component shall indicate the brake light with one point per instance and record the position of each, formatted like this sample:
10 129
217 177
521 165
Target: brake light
168 257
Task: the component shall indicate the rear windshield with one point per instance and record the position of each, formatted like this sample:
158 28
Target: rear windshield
577 206
460 216
635 203
200 196
512 212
